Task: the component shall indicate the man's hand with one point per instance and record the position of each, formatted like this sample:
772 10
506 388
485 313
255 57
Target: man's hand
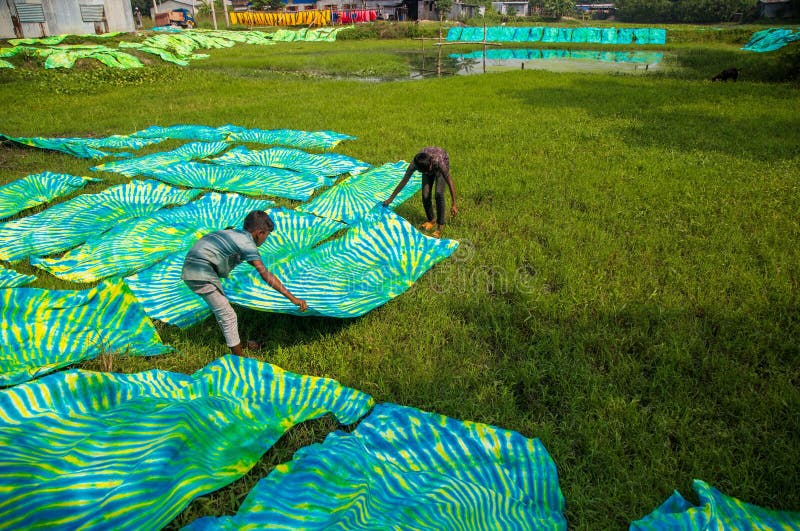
454 211
301 304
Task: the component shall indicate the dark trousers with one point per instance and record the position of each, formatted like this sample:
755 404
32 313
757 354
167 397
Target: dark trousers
428 183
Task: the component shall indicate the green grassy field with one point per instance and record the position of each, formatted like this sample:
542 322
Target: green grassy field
628 283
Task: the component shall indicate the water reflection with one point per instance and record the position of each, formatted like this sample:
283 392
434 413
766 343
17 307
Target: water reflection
559 60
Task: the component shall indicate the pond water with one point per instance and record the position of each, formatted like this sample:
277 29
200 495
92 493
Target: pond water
556 60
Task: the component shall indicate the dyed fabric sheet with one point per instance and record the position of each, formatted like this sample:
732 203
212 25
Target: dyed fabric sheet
406 469
249 180
68 224
309 17
165 296
85 148
141 242
352 198
82 450
716 511
552 34
233 133
590 55
37 189
771 39
147 163
326 164
47 329
11 279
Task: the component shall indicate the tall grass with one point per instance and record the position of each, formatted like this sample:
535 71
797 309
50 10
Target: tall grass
627 288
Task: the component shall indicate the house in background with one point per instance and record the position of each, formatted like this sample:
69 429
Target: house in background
42 18
165 6
776 9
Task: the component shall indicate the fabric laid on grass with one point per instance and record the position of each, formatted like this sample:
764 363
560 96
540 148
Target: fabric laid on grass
354 197
48 41
325 164
72 222
141 242
375 261
165 297
141 165
249 180
716 511
588 55
5 64
233 133
771 39
81 449
403 468
11 279
47 329
66 58
37 189
85 148
552 34
166 55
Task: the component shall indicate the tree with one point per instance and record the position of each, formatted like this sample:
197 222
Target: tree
265 5
444 7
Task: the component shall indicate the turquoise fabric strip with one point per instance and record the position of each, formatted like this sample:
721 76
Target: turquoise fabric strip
249 180
85 148
165 297
715 511
37 189
403 468
233 133
374 262
47 329
326 164
771 39
142 165
11 279
88 450
139 243
71 223
354 197
553 34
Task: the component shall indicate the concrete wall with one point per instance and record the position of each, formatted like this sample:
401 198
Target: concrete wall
65 18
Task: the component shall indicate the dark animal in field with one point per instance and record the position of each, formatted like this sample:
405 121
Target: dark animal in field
728 73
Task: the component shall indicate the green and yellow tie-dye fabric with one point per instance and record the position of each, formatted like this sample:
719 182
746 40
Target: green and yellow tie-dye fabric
250 180
326 164
403 468
233 133
11 279
356 196
47 329
141 242
85 148
36 189
68 224
142 165
375 261
715 511
82 450
165 297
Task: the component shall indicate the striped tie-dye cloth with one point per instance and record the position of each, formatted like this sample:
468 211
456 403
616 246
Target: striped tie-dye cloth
249 180
325 164
715 511
85 148
11 279
47 329
403 468
372 263
375 261
142 165
165 297
82 450
37 189
68 224
233 133
141 242
356 196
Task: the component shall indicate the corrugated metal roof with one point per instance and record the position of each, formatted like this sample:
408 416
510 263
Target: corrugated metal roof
92 12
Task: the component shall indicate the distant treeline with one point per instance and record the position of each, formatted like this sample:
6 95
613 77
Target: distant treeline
686 10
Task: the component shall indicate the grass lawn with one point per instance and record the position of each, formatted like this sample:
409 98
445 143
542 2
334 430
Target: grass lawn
628 283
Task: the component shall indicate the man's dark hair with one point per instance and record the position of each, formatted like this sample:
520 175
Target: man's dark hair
258 220
423 161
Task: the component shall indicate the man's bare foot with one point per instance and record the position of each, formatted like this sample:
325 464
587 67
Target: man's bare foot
252 345
428 225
